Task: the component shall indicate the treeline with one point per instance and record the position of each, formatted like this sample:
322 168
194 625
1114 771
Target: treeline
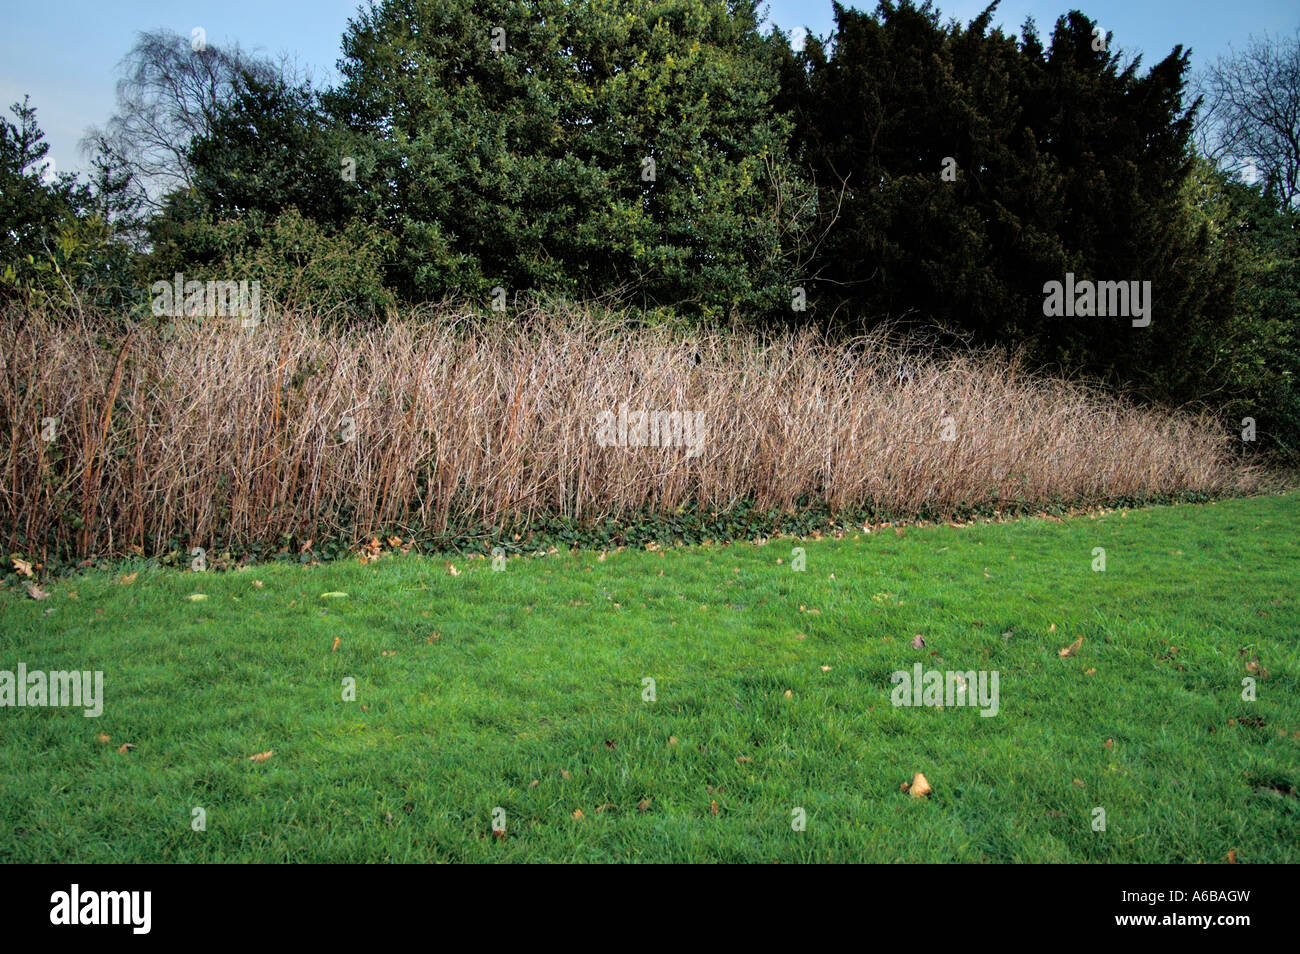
672 156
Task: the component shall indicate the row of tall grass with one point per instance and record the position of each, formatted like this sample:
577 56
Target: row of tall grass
118 437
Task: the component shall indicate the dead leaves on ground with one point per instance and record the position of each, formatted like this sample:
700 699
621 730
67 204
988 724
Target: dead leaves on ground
919 787
1072 649
1253 665
261 756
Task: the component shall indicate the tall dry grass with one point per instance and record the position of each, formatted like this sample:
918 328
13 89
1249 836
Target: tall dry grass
217 434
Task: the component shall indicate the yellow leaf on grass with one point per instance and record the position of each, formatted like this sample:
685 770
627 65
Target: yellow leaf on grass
23 567
920 786
335 647
195 597
36 593
102 737
261 756
129 578
1071 649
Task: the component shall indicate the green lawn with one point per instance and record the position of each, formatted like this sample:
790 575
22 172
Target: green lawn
523 690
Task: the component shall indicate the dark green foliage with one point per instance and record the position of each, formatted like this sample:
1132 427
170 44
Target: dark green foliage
56 241
525 167
271 203
1065 161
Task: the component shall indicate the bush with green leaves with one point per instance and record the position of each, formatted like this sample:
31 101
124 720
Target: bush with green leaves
583 148
298 262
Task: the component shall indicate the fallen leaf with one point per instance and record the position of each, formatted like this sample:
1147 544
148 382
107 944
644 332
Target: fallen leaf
1052 628
1071 649
713 807
129 578
499 833
800 635
577 813
1090 672
534 783
1079 782
261 756
36 593
257 584
564 773
918 641
643 805
672 740
102 737
125 747
452 570
335 647
920 786
22 566
789 694
1109 743
1232 856
196 597
743 758
826 668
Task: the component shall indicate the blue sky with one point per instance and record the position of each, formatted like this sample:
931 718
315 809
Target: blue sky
65 52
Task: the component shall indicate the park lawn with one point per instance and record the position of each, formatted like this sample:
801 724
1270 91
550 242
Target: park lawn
523 690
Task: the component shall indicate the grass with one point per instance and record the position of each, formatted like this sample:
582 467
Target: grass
169 438
523 690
